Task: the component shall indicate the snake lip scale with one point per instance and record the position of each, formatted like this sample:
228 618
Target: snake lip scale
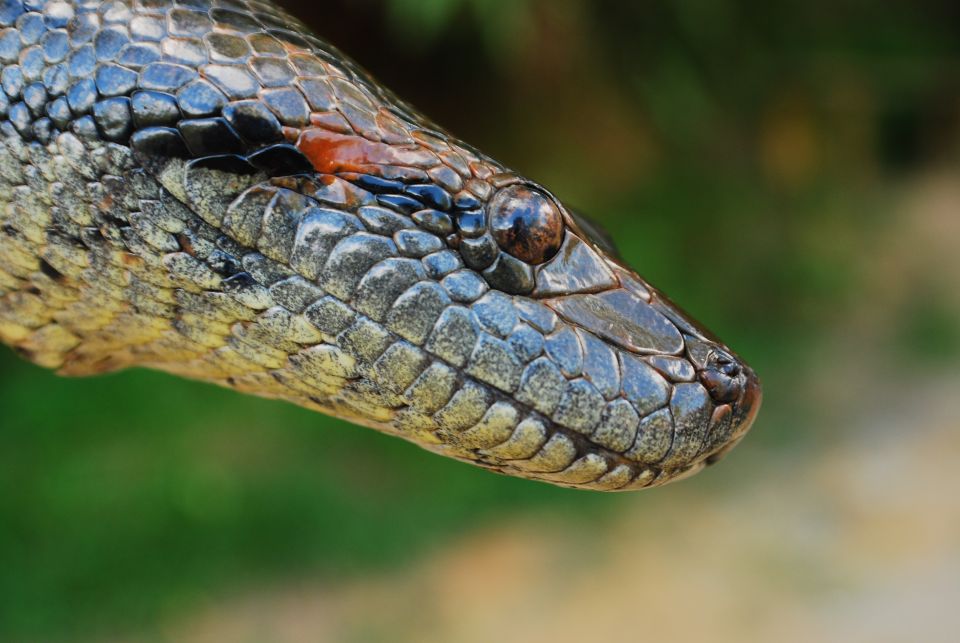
206 188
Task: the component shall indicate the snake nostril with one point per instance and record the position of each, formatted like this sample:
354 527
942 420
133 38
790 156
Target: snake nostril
722 387
722 375
730 369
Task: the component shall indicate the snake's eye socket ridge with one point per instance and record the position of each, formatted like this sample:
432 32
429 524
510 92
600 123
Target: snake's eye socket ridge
526 223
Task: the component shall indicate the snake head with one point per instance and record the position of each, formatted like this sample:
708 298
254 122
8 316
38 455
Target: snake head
654 388
477 315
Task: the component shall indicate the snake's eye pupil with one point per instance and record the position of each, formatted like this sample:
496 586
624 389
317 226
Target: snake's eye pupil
526 223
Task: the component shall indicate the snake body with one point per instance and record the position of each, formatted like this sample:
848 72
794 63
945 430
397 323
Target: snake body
206 188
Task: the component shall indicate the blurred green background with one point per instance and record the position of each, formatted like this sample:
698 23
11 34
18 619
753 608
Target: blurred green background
789 172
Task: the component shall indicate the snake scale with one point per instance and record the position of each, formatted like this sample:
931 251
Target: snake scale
206 188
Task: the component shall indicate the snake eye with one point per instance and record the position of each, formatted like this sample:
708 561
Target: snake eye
526 223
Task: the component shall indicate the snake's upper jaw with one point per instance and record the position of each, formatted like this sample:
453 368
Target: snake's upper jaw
712 396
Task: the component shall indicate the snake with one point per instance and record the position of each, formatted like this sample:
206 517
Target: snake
207 188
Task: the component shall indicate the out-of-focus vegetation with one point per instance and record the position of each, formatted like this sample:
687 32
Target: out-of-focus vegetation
753 159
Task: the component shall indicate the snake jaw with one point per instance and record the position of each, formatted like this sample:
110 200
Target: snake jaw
714 396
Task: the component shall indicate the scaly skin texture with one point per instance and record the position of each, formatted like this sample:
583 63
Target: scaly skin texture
203 187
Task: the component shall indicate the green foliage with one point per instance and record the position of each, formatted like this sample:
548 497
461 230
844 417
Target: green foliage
930 330
501 23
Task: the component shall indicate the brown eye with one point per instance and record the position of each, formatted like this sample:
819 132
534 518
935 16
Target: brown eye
526 223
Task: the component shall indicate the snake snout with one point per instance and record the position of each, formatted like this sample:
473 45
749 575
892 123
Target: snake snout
749 403
736 390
